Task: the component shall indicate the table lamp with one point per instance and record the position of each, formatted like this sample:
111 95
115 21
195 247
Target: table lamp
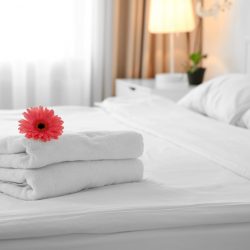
171 16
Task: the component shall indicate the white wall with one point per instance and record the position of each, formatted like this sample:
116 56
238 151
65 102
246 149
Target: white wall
225 39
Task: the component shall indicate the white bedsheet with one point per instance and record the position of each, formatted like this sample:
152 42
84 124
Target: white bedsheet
183 186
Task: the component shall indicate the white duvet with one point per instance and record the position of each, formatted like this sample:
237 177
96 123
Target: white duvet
196 172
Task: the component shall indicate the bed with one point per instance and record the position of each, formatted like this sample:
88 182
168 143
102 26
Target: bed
194 195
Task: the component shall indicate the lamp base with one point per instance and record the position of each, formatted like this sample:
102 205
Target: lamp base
165 80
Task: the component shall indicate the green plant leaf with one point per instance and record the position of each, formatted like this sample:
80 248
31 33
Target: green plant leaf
195 59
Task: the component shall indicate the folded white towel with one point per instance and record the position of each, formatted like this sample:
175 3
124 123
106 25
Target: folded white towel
68 177
19 152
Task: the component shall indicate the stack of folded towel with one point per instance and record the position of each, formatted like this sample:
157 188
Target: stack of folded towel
32 169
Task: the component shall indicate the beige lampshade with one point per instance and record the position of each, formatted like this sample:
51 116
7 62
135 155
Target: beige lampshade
169 16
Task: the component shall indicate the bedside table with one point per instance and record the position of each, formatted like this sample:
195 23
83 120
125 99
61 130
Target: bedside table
141 87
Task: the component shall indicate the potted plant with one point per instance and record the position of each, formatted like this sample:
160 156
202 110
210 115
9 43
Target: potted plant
195 72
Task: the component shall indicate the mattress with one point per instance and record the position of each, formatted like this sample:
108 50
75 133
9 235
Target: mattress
196 174
216 237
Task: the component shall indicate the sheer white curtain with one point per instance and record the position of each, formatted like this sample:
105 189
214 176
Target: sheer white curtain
54 52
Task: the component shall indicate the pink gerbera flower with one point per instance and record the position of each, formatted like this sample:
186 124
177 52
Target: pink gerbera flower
41 124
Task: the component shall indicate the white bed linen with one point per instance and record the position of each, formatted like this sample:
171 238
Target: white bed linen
183 186
244 122
228 146
225 98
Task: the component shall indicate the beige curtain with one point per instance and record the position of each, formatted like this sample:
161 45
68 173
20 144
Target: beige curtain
139 54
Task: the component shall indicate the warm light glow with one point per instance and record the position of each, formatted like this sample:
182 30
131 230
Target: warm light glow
168 16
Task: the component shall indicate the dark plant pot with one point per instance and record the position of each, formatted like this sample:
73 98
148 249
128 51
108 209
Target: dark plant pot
195 78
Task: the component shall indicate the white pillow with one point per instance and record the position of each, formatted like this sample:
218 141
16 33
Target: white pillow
244 121
224 98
